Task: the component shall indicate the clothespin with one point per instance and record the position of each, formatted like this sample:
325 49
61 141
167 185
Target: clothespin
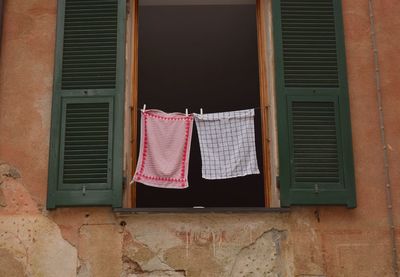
144 108
186 112
201 112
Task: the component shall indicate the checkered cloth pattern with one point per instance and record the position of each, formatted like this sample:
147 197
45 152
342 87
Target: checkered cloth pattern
227 144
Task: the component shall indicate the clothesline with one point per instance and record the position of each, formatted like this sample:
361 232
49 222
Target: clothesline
201 109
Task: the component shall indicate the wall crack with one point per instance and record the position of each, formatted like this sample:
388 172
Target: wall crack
260 257
132 267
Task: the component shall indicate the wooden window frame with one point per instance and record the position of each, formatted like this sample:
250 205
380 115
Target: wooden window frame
1 19
264 99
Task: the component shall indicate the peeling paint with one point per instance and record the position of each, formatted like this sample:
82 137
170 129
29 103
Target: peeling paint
89 241
3 202
9 266
6 170
31 240
260 258
132 268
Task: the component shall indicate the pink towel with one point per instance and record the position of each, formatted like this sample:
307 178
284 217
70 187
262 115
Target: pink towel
164 149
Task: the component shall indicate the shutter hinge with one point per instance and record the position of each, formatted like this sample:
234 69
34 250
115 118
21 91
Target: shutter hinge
278 182
84 190
316 189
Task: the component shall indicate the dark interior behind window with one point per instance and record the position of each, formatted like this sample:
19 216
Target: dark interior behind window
201 56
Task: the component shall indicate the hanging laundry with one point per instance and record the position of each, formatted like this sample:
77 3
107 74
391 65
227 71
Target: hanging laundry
164 149
227 144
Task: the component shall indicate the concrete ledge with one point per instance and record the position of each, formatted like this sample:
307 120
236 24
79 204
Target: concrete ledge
201 210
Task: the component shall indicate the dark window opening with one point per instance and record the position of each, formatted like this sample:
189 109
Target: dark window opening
200 56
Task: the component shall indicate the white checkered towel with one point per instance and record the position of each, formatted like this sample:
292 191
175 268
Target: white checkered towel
227 144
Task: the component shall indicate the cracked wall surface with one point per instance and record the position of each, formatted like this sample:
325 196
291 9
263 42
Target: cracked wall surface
31 244
206 245
94 241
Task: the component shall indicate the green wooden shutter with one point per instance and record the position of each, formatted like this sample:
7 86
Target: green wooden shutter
85 166
314 132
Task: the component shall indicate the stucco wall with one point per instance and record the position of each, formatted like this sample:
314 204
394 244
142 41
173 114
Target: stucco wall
307 241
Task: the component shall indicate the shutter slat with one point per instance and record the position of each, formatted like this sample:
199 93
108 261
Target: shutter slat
80 155
325 136
315 145
86 181
309 27
315 153
90 41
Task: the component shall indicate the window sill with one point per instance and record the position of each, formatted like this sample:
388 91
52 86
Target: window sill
124 211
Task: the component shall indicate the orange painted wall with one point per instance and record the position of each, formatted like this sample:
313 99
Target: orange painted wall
343 243
26 79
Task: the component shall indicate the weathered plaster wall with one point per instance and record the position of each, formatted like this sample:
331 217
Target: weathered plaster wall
308 241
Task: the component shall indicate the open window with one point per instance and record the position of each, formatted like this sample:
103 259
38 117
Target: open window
303 121
201 54
286 58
